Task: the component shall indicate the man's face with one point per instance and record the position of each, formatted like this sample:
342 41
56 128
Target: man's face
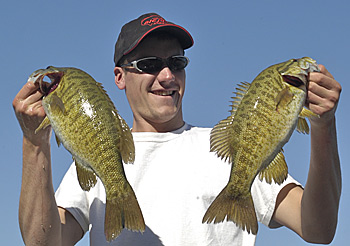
155 99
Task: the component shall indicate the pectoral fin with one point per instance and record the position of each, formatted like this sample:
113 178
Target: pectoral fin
55 103
302 126
283 98
277 170
58 141
45 123
86 177
307 113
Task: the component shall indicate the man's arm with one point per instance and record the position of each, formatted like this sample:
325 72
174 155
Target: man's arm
41 222
313 212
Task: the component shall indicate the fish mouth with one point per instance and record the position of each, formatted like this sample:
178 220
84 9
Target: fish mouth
296 81
297 72
39 77
298 76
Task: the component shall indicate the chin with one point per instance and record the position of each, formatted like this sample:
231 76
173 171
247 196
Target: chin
168 115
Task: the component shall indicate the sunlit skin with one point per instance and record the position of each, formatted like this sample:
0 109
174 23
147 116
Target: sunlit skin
155 99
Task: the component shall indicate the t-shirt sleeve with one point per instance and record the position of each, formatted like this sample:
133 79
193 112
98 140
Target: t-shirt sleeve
264 197
71 197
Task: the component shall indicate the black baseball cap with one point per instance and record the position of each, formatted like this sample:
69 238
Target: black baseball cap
133 32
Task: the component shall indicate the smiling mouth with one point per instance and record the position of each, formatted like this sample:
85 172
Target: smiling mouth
163 93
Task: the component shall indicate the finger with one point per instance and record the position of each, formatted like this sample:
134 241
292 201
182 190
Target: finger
35 97
314 99
324 71
28 89
27 95
317 109
324 85
323 92
35 109
320 105
325 79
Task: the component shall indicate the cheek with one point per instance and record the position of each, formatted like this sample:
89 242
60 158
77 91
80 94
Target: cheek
135 93
182 83
132 94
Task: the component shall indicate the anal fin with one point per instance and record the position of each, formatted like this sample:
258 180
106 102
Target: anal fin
86 177
277 170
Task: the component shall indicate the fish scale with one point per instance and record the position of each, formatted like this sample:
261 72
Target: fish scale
263 117
86 122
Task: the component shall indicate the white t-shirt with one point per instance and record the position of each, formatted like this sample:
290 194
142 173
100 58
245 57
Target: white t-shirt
175 179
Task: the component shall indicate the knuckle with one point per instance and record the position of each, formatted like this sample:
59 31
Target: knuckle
338 88
316 110
321 67
20 106
328 106
311 86
333 98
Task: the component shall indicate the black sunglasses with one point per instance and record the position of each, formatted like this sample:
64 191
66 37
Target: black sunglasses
156 64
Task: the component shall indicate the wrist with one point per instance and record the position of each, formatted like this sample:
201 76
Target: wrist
39 139
36 144
36 156
320 123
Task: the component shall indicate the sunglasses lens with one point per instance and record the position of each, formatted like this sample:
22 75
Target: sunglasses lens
177 63
155 64
150 65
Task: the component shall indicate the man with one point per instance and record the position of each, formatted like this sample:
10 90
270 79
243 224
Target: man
174 176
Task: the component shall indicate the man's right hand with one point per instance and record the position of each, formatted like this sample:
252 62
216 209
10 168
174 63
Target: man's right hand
30 113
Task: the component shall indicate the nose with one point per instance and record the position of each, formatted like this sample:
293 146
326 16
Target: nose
166 75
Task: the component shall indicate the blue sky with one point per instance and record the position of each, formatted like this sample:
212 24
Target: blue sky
234 41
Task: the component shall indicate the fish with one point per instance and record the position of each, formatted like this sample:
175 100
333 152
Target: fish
88 125
264 114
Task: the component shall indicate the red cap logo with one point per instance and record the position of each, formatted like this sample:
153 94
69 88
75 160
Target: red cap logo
153 20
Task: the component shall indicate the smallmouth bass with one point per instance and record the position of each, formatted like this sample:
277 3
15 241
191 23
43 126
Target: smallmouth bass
88 125
263 116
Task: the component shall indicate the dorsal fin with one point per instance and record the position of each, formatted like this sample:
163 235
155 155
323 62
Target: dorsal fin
126 144
221 139
240 92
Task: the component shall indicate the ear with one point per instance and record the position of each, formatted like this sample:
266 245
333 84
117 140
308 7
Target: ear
119 74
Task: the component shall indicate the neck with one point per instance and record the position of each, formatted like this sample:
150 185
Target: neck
147 126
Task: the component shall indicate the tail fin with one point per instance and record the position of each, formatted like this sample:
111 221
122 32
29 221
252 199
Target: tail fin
240 210
123 212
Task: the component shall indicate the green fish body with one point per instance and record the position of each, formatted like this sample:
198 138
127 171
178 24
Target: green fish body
264 114
86 122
